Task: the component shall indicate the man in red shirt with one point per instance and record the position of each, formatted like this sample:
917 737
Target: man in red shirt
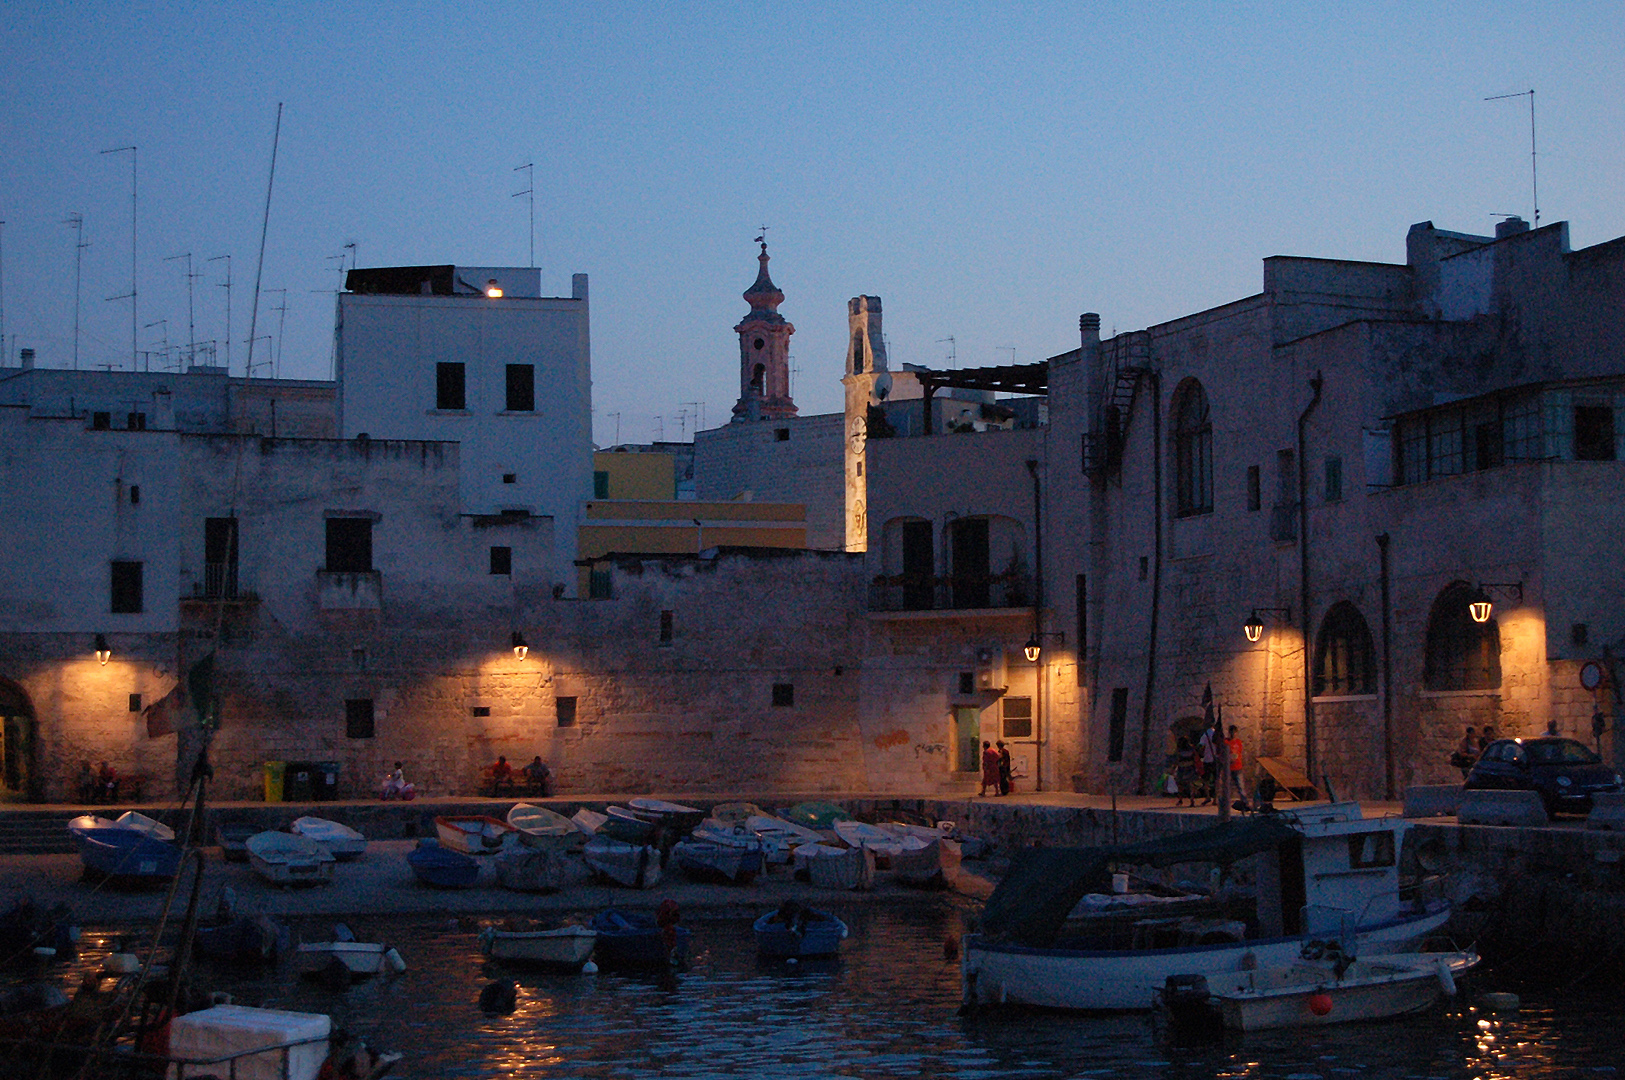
1236 785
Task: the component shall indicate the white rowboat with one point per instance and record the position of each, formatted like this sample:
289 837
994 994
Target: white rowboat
566 947
288 859
344 842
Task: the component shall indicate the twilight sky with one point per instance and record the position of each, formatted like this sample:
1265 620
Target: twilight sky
989 170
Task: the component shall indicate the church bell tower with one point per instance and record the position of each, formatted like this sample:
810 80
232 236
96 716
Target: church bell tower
764 352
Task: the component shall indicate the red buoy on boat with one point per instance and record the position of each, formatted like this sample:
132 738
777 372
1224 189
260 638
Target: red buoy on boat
1320 1004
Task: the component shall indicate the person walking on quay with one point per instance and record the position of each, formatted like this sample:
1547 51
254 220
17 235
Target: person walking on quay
1210 776
1466 752
1186 771
990 768
1006 779
1238 789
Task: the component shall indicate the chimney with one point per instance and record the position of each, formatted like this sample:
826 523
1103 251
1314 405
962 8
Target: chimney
1511 226
27 358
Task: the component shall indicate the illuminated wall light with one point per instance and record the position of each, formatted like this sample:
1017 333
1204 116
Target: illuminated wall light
492 289
519 646
1479 610
1254 626
104 652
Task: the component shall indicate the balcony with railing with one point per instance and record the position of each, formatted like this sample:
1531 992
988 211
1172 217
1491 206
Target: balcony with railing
1012 590
224 582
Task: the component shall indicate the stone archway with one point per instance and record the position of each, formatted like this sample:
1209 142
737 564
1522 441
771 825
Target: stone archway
18 781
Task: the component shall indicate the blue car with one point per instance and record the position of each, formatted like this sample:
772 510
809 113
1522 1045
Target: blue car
1563 771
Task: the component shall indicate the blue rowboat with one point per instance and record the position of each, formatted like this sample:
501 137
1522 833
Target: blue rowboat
795 931
131 854
636 940
442 867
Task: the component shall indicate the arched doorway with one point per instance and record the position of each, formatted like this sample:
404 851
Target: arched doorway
16 743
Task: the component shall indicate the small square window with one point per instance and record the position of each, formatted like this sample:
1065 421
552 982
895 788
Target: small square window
600 485
135 702
1579 633
1593 433
599 584
860 468
521 388
101 421
781 434
358 657
967 682
135 494
1018 717
482 710
349 545
1334 479
358 718
136 421
665 627
502 560
510 478
449 387
784 694
567 711
126 588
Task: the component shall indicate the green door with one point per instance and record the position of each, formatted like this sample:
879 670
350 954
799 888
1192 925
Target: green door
967 739
16 744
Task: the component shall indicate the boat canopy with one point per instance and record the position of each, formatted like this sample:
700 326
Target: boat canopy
1043 885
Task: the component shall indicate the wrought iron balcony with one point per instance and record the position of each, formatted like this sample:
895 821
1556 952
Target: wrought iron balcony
954 592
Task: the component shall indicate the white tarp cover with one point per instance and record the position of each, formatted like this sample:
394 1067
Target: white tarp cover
230 1029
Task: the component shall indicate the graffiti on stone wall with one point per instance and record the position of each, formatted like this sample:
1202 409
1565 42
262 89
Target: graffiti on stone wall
929 748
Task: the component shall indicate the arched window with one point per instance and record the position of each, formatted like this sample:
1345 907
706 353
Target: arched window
1461 654
758 377
1344 660
1193 451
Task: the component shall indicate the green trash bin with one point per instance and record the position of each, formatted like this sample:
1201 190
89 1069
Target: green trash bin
275 773
299 785
326 780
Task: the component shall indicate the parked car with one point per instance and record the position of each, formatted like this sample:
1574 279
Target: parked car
1564 771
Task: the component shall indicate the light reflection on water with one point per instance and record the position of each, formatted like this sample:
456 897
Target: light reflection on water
888 1008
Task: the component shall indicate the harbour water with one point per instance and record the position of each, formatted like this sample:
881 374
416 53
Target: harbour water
888 1008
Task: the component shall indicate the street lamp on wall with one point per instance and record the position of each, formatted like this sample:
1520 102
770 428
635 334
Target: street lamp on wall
519 646
1254 626
1033 649
1480 608
104 653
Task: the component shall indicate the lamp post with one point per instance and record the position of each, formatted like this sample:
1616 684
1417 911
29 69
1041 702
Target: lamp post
1480 606
1254 626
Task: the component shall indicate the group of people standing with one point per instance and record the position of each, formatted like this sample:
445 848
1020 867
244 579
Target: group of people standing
1196 764
996 771
1471 748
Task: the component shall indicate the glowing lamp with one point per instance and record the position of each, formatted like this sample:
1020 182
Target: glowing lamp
1479 610
492 289
104 653
1253 627
519 646
1032 649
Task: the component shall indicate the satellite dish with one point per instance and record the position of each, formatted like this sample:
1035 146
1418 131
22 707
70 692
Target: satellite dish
883 385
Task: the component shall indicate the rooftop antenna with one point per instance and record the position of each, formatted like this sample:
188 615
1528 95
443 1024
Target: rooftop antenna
130 296
660 421
953 350
529 169
281 321
191 322
1534 175
354 253
1011 349
617 417
76 222
696 409
265 224
795 369
164 340
227 286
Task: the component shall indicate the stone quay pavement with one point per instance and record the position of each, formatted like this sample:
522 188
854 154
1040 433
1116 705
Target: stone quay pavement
380 882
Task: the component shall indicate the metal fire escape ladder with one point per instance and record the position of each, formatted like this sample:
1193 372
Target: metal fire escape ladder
1125 358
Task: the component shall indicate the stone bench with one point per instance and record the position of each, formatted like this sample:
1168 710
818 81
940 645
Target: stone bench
1432 800
1516 808
1607 811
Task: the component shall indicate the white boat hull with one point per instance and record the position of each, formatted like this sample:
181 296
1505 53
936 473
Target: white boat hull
363 958
1128 979
1279 998
566 947
626 864
342 841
